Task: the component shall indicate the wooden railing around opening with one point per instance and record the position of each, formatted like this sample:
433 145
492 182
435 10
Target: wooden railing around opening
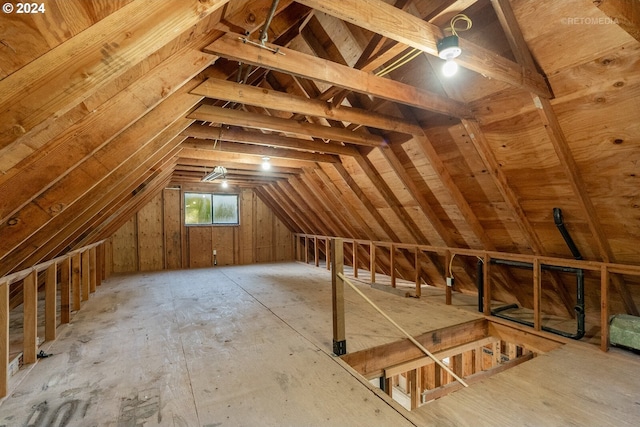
77 273
302 243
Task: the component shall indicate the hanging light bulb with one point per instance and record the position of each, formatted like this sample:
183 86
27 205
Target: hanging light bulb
265 164
225 184
448 47
449 68
448 50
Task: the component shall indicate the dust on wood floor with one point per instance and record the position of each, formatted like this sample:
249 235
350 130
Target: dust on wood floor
250 345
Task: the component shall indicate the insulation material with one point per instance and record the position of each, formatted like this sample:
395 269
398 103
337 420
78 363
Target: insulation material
624 330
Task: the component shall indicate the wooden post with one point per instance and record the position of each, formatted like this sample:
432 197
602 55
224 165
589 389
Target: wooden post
355 259
496 358
306 250
414 389
93 279
298 248
99 264
537 294
4 339
512 350
392 263
316 251
327 246
372 263
416 267
108 258
487 285
337 297
50 302
477 360
388 386
448 290
75 281
467 363
604 308
65 290
30 325
85 275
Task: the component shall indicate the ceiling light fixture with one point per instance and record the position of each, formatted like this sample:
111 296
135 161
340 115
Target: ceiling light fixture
449 50
448 47
225 184
217 172
265 164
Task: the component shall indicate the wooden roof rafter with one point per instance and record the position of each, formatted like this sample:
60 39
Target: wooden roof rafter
277 209
133 36
276 195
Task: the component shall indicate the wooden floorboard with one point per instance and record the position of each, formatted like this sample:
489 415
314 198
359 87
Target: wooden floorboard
250 345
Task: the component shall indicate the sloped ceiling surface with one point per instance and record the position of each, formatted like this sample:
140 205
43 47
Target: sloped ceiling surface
103 104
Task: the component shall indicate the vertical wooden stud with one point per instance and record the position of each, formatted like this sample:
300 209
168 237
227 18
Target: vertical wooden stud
487 285
537 294
93 272
388 386
337 297
456 364
65 290
100 264
50 302
355 259
414 390
30 322
512 351
416 268
296 244
432 376
372 263
306 249
108 259
604 308
85 275
4 339
392 263
467 364
477 360
448 290
327 244
75 281
496 360
316 251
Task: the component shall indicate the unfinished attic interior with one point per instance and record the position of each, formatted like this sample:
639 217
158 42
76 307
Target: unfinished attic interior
354 212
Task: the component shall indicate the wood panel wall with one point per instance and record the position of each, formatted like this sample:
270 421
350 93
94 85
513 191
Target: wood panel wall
155 238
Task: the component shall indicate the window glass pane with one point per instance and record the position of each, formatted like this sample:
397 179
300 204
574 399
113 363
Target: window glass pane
225 209
197 208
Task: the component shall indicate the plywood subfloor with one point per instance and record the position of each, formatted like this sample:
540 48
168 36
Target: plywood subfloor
250 346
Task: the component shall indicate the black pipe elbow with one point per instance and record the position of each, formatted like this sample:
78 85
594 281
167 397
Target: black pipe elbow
557 216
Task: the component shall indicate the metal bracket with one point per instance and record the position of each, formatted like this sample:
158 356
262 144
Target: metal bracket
339 347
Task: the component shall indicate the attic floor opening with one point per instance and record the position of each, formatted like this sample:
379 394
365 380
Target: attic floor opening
474 352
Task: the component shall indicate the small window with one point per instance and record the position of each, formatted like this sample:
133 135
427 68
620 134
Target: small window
211 209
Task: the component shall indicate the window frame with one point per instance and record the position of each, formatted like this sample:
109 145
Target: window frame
211 196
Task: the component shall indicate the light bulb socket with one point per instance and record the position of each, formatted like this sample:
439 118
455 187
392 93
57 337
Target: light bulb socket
448 48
